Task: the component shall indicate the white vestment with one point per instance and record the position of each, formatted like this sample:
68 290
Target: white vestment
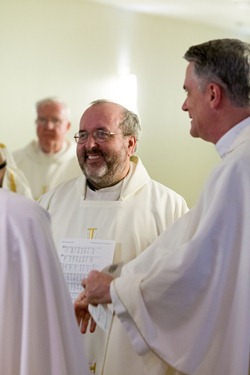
186 299
38 330
144 209
46 171
14 179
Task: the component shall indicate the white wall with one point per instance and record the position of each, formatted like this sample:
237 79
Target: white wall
77 49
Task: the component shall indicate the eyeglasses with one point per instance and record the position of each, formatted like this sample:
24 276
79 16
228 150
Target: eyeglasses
44 121
99 135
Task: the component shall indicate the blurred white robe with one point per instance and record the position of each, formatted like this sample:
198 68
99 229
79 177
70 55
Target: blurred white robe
186 299
38 330
14 179
46 171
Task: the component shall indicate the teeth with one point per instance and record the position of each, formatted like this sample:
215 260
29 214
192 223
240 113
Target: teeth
93 156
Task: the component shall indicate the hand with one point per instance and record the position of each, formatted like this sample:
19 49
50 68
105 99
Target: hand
97 288
82 314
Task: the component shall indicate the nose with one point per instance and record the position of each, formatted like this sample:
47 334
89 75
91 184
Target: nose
50 124
184 106
90 142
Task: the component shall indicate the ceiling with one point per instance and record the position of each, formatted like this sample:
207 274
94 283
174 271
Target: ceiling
233 15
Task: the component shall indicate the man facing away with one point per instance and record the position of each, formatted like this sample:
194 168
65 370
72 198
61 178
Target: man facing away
114 199
186 299
38 330
49 160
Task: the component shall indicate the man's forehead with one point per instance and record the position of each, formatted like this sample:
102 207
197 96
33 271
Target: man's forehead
51 106
103 113
189 74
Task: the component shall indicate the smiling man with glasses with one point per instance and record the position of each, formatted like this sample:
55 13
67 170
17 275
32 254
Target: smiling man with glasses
50 159
106 140
114 199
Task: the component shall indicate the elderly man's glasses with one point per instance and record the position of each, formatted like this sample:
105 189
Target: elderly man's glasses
56 122
99 135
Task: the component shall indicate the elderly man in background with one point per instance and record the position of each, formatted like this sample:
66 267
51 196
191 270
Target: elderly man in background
49 160
11 177
117 200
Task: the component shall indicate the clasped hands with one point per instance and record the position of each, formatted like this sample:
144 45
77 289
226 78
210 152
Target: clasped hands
96 291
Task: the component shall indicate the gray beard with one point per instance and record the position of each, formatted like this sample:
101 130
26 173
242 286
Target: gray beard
97 176
104 176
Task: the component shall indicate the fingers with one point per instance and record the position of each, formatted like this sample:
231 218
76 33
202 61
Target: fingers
81 307
85 322
83 316
92 325
96 291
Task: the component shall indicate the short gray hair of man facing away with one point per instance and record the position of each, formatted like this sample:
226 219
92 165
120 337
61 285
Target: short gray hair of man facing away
232 74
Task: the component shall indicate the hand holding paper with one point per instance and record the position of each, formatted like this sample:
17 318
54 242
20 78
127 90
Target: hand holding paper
82 314
96 291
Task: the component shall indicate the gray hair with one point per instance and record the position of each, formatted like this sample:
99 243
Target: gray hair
130 123
225 62
54 100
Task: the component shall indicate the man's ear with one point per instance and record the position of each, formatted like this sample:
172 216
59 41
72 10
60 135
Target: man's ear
215 94
131 145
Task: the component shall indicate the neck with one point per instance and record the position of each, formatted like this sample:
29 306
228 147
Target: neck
91 186
228 119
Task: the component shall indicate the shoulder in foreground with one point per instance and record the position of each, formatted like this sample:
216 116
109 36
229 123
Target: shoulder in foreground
22 207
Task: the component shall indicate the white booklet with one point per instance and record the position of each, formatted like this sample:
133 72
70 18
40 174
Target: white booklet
80 256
